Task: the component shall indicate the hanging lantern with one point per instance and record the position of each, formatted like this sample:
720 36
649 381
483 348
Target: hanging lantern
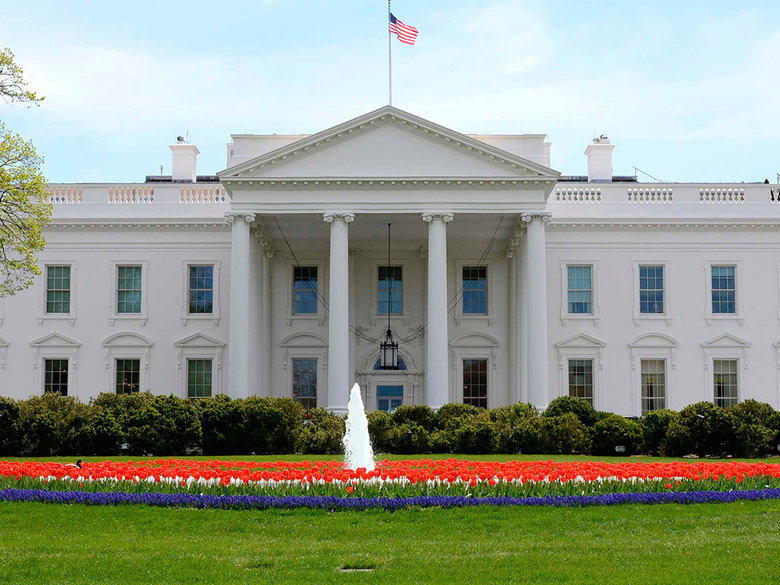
388 352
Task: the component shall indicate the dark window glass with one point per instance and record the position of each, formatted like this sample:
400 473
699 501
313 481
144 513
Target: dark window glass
198 378
581 379
55 376
724 290
475 290
390 290
201 290
475 382
725 382
304 290
305 382
653 385
128 376
388 398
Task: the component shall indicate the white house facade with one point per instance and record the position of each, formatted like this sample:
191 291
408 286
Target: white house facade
506 281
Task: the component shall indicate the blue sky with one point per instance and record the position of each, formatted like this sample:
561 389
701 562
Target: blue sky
688 91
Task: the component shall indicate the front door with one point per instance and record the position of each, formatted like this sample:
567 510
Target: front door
389 398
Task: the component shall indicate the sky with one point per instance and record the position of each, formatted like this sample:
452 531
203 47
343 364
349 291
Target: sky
686 90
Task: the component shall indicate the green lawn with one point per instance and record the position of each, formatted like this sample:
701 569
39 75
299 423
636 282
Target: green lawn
718 543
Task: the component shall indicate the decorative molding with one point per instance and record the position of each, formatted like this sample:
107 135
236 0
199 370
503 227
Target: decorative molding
529 216
264 240
379 183
514 241
247 216
577 195
211 223
331 216
445 216
670 224
650 195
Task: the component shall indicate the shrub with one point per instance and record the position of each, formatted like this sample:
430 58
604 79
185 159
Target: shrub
580 407
655 425
565 434
322 432
420 414
223 426
476 435
615 430
409 438
162 425
271 425
93 430
753 433
518 429
442 441
379 427
449 413
9 427
44 423
714 434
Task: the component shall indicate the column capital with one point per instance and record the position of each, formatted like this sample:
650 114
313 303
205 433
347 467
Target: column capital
331 216
445 216
247 216
528 217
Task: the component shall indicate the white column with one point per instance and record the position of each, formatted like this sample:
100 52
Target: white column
239 348
513 350
536 292
338 312
522 318
437 341
266 349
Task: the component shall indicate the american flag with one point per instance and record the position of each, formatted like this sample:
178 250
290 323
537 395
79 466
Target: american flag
405 33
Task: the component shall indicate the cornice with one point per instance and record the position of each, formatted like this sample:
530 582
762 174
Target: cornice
380 183
210 224
671 224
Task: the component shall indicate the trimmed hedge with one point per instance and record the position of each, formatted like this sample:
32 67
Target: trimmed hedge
147 424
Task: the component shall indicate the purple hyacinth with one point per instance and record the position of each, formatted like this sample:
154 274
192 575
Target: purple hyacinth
181 500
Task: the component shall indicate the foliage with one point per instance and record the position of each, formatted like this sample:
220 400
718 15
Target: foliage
518 429
322 432
379 425
753 428
12 84
580 407
655 426
222 425
419 414
164 424
9 419
45 422
476 435
565 433
711 433
615 430
271 425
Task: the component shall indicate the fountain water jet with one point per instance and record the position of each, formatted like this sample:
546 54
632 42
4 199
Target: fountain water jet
357 443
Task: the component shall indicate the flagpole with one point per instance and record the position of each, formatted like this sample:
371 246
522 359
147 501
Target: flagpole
389 59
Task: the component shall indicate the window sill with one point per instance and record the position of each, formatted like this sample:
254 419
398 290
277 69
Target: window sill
740 319
652 317
580 317
312 317
130 317
70 317
204 317
473 317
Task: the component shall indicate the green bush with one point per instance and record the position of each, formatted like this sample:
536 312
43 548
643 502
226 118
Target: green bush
518 429
580 407
448 414
322 433
565 434
442 441
93 430
162 425
714 434
420 414
409 438
753 431
615 430
271 425
476 435
222 425
45 423
9 427
655 425
379 426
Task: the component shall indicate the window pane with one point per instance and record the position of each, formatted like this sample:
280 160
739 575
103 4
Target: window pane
390 290
305 382
128 376
724 290
581 379
55 376
201 290
474 290
128 289
725 382
653 385
304 290
651 289
198 378
580 290
475 382
389 397
58 289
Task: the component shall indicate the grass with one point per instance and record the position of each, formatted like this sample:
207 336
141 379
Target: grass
719 543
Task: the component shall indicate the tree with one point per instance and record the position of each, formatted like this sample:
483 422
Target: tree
24 209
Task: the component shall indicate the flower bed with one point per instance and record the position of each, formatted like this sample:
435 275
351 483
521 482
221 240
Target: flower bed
393 484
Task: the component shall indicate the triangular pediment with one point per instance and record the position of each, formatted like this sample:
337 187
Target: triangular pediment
580 340
55 340
199 340
726 340
387 143
654 340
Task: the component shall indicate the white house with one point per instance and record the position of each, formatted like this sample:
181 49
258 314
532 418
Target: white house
506 282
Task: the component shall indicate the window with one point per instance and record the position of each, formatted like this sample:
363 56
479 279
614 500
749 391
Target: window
390 290
55 376
580 289
475 290
651 289
388 398
653 385
475 382
305 382
128 376
201 290
581 379
725 381
724 290
304 290
198 378
128 290
57 289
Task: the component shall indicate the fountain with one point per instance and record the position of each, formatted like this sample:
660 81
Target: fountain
357 443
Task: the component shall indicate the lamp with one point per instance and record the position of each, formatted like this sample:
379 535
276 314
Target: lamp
388 349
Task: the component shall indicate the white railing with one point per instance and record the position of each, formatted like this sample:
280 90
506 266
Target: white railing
721 195
130 194
212 194
65 195
650 195
578 195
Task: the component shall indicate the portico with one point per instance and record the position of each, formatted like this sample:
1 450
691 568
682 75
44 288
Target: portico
458 207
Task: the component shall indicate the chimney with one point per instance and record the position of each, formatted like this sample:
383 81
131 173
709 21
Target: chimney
185 157
600 160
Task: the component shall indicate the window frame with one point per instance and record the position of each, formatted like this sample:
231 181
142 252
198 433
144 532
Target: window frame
490 267
739 314
186 316
736 362
199 346
373 311
654 346
595 315
142 316
116 372
322 287
189 361
666 316
462 380
665 362
725 347
56 346
45 371
317 378
581 347
70 316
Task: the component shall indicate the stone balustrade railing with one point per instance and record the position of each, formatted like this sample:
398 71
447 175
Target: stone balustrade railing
136 194
202 194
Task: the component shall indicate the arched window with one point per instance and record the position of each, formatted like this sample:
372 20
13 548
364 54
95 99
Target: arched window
401 364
